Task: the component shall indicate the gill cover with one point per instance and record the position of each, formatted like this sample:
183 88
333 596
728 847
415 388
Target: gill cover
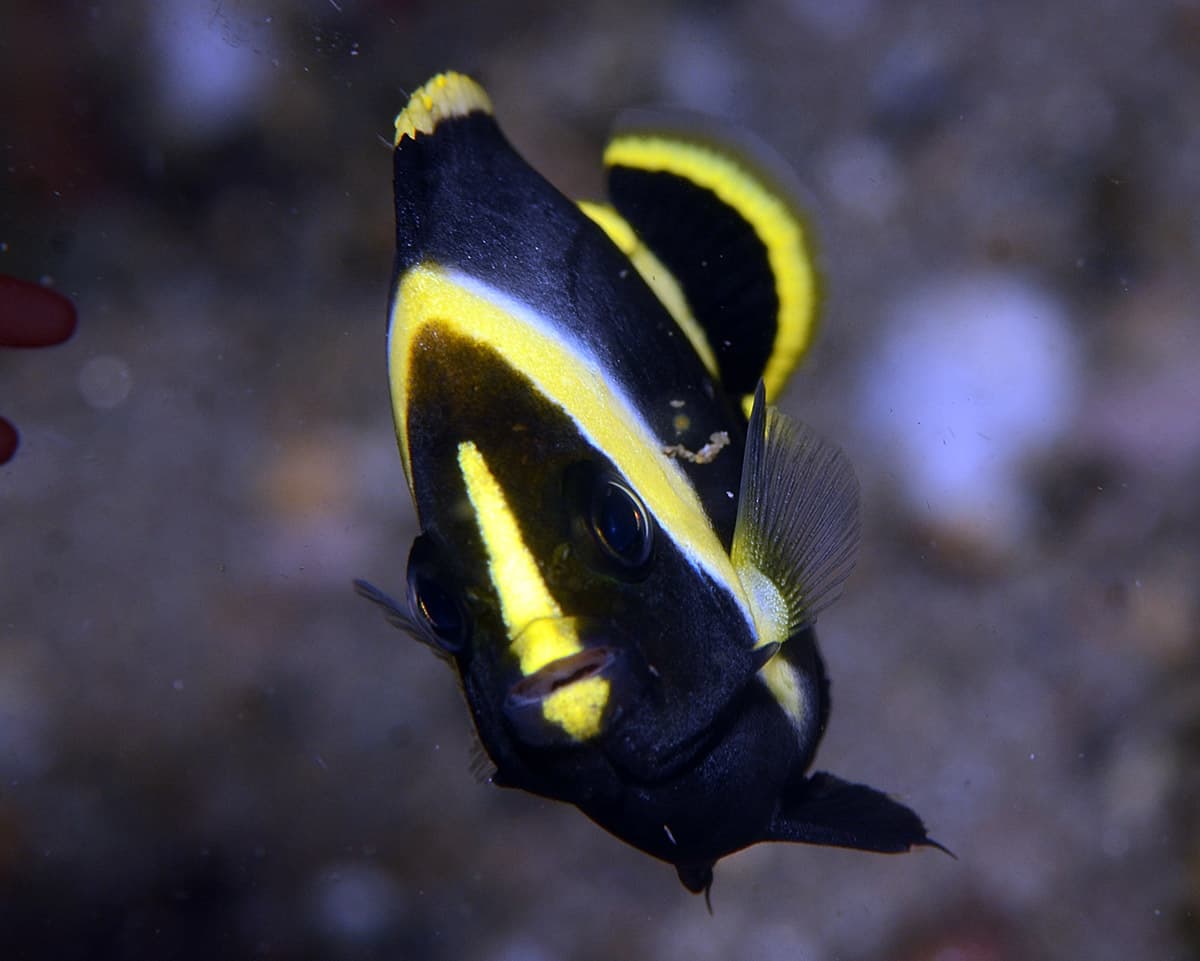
623 569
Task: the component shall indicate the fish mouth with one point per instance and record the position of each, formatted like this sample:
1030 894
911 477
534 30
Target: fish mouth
571 696
560 673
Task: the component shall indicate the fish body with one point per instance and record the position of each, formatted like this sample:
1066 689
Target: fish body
623 545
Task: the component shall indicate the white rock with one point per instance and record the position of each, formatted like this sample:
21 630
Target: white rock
975 376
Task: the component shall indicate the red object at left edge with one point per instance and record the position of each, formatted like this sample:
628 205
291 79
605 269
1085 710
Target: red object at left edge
32 315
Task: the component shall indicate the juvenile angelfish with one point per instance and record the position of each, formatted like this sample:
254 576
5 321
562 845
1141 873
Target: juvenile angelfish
623 545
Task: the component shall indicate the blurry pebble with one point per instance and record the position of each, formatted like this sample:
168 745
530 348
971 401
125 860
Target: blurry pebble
778 941
1142 410
522 950
699 68
1078 118
913 88
1163 610
319 527
863 175
974 377
310 475
25 750
211 65
357 902
105 381
971 939
1137 783
837 21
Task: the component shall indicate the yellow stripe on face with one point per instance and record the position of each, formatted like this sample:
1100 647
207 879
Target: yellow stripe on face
446 95
658 278
434 298
539 633
774 223
524 598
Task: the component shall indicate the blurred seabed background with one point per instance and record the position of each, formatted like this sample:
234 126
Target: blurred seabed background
209 747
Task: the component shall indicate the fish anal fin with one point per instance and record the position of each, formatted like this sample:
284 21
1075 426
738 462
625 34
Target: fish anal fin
824 809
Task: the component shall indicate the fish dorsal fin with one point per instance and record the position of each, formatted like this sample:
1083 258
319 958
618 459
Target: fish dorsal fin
446 96
797 526
719 212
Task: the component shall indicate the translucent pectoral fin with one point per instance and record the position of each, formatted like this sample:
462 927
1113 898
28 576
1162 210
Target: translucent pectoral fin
798 521
397 614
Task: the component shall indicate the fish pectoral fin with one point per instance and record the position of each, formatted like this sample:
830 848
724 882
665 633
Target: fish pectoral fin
397 614
797 528
824 809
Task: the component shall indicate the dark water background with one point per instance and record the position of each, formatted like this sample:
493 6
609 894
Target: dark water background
209 748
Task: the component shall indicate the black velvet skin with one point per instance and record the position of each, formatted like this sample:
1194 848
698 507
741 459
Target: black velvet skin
695 759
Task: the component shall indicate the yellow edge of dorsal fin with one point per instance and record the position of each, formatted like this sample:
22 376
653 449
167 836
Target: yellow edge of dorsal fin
656 274
447 95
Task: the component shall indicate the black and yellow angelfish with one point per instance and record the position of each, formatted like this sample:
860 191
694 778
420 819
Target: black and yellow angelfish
623 545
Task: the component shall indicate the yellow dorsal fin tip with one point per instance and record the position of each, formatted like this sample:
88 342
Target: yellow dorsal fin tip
445 96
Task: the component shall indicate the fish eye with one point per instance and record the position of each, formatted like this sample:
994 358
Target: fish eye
436 609
620 522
